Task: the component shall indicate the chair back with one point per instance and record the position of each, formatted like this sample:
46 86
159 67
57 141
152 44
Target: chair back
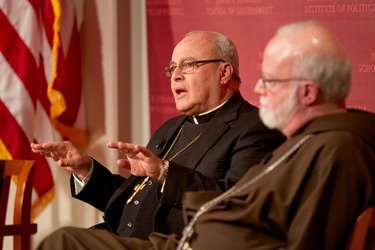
22 172
363 233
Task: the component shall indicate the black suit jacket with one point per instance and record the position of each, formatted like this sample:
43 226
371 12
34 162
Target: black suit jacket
234 140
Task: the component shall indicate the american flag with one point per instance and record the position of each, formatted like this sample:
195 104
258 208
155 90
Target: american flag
40 84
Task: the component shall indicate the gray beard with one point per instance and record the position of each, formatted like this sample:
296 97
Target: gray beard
282 114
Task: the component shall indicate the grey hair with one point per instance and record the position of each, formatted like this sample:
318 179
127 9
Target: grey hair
224 49
333 74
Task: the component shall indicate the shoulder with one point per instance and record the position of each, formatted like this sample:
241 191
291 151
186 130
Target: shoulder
171 122
340 151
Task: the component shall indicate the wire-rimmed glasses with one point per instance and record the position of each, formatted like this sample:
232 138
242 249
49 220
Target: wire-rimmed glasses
266 82
188 66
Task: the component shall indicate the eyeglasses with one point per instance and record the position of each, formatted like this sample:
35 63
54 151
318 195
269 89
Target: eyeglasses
267 83
188 66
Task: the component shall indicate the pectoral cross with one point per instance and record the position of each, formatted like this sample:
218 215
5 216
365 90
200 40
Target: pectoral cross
137 188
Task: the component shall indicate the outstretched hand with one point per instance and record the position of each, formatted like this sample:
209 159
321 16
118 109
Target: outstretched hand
139 161
66 155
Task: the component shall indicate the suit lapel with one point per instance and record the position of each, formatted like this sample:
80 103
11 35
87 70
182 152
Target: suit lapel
213 132
170 136
216 128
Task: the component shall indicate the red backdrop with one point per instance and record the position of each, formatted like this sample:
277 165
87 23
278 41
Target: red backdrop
250 24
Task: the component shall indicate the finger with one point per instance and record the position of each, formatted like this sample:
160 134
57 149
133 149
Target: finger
123 163
64 162
143 152
112 144
126 146
48 146
38 151
42 152
35 145
36 148
122 146
58 146
129 149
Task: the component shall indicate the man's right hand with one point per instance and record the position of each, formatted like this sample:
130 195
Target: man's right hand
66 155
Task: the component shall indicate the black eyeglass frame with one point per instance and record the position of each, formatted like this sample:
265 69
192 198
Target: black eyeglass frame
169 70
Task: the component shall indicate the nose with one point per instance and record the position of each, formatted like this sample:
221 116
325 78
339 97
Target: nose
177 74
259 87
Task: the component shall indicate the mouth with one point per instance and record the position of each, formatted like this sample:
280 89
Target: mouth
180 91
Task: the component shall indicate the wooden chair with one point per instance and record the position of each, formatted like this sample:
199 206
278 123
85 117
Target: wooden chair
363 234
22 171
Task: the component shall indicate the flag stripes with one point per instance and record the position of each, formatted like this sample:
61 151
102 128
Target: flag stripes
40 84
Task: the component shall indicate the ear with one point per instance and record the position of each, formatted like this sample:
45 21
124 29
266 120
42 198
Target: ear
310 93
226 73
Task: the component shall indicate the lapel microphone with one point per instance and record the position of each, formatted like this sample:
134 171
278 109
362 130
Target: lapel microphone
161 144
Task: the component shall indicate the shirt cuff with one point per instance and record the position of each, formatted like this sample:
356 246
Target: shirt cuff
164 175
80 184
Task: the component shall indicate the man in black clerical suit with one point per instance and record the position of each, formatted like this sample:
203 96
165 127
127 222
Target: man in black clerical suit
209 147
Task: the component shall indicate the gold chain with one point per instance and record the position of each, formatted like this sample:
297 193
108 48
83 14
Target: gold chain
173 143
181 150
139 187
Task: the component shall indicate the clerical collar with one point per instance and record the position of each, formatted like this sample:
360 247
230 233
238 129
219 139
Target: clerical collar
206 116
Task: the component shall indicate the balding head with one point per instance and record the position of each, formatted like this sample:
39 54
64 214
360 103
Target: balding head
311 38
220 46
314 52
305 74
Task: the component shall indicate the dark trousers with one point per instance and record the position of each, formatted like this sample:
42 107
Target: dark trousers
71 238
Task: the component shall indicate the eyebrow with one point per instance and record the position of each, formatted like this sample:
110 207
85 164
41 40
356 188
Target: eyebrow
182 60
